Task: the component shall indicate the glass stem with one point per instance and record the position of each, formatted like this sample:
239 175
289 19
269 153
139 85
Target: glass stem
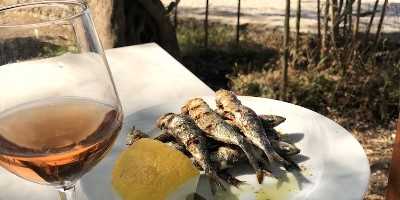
68 193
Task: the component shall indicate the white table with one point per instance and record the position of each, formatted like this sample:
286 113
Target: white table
145 75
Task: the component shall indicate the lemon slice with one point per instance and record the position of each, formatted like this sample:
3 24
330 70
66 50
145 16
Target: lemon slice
150 169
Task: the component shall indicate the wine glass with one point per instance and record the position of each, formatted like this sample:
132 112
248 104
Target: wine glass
59 109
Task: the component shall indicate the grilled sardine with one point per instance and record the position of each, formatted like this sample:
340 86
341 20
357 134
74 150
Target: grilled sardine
185 131
248 122
216 128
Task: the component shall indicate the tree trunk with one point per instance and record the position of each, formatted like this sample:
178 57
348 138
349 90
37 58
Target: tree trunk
102 13
346 6
371 20
206 27
129 22
325 42
238 24
355 34
176 16
319 22
378 31
285 58
335 25
393 192
340 6
298 17
350 14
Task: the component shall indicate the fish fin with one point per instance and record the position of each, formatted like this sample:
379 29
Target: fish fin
292 166
230 179
235 182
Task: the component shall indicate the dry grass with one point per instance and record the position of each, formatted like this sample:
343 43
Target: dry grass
378 147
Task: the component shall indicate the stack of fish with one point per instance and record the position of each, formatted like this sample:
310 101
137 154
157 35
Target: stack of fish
217 140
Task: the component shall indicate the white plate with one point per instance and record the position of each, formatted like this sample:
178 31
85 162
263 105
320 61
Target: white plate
337 167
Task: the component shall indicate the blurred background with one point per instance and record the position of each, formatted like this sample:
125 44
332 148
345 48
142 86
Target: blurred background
340 58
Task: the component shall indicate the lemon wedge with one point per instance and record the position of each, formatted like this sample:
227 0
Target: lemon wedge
150 169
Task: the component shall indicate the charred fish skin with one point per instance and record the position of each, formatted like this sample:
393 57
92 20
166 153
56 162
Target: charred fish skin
215 127
210 122
223 158
227 157
185 131
267 121
248 122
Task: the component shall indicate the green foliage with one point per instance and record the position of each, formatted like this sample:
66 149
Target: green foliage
190 34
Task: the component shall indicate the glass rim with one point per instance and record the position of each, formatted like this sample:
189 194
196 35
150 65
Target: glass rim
82 4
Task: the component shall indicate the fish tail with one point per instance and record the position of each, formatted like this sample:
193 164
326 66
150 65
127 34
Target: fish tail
235 182
272 155
230 179
279 159
215 178
248 150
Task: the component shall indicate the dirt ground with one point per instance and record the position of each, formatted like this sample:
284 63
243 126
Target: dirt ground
271 12
377 144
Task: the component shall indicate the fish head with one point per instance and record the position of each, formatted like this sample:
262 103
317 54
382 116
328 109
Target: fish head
163 122
227 100
288 149
193 104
